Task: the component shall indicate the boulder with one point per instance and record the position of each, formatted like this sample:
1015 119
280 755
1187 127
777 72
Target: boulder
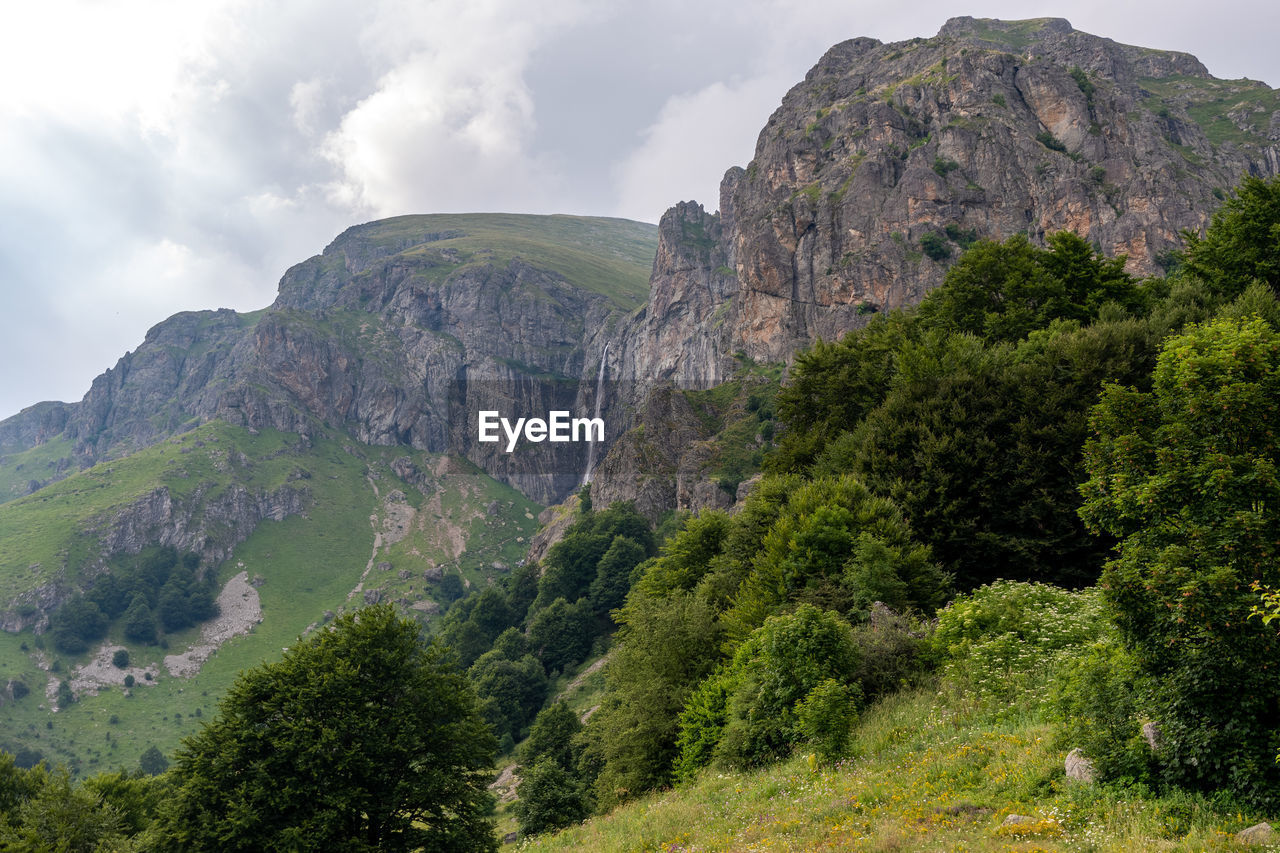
1079 768
1259 833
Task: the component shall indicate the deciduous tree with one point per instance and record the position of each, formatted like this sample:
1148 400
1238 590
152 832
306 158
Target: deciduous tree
361 738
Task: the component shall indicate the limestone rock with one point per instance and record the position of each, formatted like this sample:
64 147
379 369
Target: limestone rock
982 131
1017 820
1260 833
1079 768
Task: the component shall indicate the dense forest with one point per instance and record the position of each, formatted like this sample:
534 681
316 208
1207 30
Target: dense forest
1049 477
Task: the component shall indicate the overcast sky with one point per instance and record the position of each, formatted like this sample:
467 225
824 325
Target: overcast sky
160 156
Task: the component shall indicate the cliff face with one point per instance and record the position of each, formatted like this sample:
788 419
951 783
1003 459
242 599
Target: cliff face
398 333
887 158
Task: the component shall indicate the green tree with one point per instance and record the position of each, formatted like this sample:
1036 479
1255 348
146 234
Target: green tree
553 736
76 624
139 621
834 385
360 738
825 716
490 612
665 647
510 691
550 798
60 816
1004 291
1242 243
135 797
560 634
834 545
766 684
152 762
980 445
613 574
1186 476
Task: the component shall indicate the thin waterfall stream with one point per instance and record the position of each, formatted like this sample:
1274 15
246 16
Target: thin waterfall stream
591 449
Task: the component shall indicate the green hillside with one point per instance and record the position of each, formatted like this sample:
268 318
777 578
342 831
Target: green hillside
924 772
455 518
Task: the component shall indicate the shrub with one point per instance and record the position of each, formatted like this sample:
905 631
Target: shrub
935 246
550 798
893 650
825 716
962 237
771 673
120 658
1003 640
943 166
1048 140
1098 699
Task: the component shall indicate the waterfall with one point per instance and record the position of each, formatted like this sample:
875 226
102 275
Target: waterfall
591 449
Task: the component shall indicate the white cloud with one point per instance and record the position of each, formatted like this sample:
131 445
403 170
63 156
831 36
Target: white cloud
449 124
696 137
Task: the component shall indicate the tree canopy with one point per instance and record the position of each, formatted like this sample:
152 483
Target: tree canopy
361 738
1186 475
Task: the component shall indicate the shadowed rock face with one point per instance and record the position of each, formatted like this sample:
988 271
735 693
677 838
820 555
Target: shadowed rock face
987 130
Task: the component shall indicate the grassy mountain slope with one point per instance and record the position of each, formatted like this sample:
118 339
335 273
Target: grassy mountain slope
611 257
926 773
323 559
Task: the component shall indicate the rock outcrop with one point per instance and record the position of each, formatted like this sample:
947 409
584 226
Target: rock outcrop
210 525
888 158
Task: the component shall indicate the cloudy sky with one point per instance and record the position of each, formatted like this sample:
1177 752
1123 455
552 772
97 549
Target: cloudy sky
158 156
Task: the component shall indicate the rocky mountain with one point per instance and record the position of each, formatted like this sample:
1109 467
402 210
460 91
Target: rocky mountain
867 182
326 445
888 159
397 333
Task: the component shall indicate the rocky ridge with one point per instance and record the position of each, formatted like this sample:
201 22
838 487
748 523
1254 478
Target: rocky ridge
888 158
397 333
